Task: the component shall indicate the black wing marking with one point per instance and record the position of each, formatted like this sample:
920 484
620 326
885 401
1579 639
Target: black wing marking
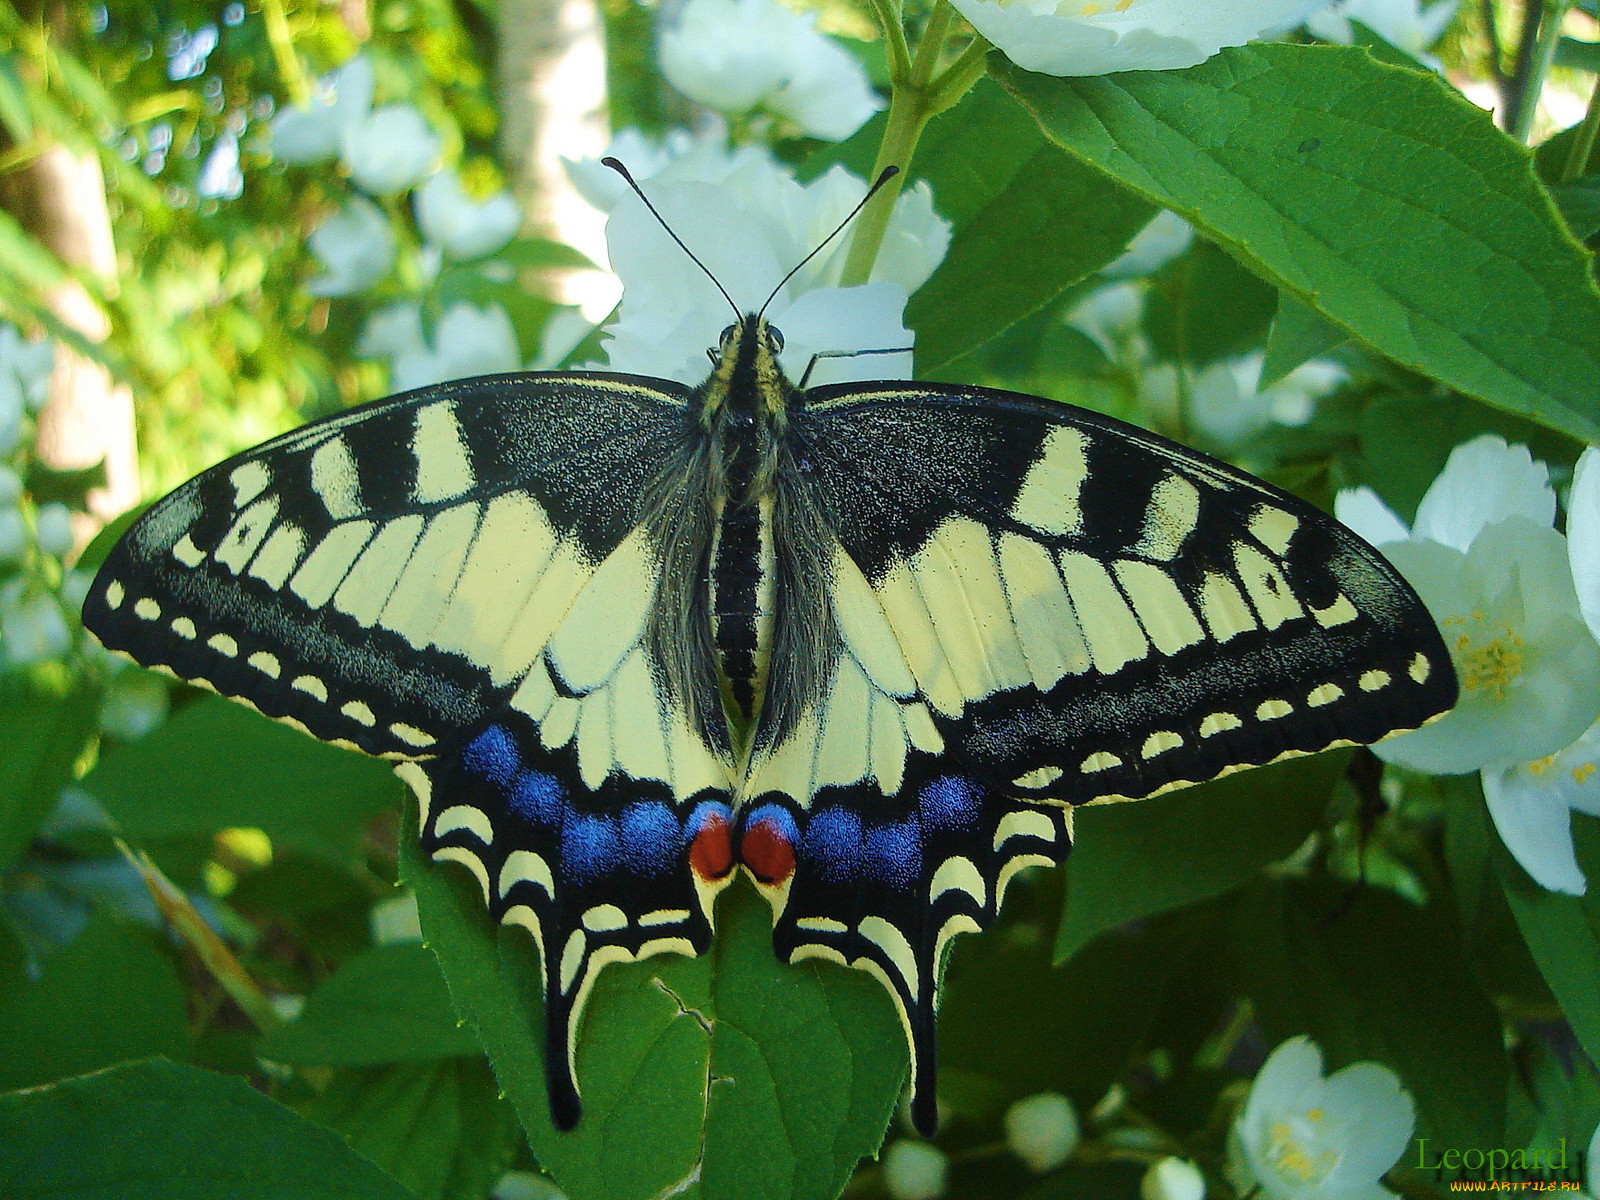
1036 607
462 579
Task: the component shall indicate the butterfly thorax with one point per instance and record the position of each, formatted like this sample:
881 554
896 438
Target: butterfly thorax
742 410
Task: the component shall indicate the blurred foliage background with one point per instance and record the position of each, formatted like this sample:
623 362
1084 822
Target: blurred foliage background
1374 910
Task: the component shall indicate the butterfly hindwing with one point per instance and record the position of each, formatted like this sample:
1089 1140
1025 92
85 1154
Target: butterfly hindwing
458 579
1034 607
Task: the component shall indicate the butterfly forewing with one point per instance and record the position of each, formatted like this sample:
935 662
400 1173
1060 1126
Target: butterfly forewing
1032 607
457 579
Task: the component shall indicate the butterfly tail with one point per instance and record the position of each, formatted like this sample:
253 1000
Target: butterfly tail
566 1107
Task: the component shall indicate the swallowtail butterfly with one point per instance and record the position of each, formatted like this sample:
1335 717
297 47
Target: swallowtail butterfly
871 643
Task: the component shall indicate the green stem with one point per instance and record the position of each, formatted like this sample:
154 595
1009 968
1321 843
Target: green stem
887 13
1544 53
1583 145
918 93
956 80
290 68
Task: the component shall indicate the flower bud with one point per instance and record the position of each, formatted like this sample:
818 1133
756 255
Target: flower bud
915 1171
1173 1179
1042 1130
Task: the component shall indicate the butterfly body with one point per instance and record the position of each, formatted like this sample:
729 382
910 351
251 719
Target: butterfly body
870 642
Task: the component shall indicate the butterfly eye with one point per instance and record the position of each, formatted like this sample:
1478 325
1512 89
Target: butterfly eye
726 338
775 339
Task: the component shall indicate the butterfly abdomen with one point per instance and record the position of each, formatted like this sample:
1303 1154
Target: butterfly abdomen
741 585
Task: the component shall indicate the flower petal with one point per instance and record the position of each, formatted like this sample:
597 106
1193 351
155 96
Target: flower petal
1363 511
1079 38
1536 827
1484 481
1583 536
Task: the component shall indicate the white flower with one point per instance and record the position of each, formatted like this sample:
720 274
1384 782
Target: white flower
135 703
1583 536
396 919
1172 1179
32 626
915 1170
1165 237
13 535
463 227
391 331
1404 24
356 246
750 231
1110 317
525 1185
467 341
563 332
1042 1130
389 149
1303 1136
75 587
1227 405
28 365
735 56
1078 38
1503 587
11 413
1532 805
1495 577
680 157
312 134
1528 666
52 529
1532 802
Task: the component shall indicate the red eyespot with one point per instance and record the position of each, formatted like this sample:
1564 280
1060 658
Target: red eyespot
767 851
711 852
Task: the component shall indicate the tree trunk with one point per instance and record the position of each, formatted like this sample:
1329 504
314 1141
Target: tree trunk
60 197
553 104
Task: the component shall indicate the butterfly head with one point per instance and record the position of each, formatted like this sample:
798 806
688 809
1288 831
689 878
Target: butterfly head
747 384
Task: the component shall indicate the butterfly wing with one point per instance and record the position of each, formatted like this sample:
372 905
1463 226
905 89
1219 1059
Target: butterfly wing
1035 607
460 580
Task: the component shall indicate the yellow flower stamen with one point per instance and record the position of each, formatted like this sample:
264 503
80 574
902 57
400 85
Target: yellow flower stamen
1287 1153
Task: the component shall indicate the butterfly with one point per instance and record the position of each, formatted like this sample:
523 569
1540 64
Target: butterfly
870 643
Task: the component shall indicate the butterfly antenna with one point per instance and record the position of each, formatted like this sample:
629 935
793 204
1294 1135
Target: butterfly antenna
888 174
616 165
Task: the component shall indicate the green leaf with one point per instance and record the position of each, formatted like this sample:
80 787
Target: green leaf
216 765
1299 333
111 994
1011 1024
1370 976
15 112
1563 932
1578 54
439 1128
1131 860
160 1131
1375 194
387 1005
1580 206
1028 221
1203 306
755 1078
48 721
